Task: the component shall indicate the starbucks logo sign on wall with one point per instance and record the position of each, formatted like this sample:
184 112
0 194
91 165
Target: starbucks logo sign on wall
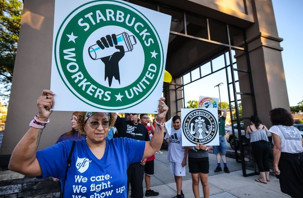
199 126
109 55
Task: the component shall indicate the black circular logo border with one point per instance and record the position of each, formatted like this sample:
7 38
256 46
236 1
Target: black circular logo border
184 122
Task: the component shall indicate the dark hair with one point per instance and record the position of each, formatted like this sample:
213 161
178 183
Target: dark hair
280 116
219 112
176 117
255 120
142 114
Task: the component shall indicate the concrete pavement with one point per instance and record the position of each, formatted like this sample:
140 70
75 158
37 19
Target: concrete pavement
222 185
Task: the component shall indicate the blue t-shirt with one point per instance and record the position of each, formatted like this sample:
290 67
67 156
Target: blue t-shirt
71 137
89 176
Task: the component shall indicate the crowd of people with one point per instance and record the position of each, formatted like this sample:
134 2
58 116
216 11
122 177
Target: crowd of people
112 154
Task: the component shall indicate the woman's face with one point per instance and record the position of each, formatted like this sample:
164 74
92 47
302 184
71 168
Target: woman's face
74 122
96 127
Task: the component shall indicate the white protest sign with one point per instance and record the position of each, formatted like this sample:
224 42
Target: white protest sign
168 125
200 126
108 56
208 102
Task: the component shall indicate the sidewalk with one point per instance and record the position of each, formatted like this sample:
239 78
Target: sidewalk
222 185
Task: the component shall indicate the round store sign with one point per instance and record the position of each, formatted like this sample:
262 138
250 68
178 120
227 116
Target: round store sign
199 126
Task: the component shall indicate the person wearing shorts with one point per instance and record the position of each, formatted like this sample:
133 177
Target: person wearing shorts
176 154
149 164
220 151
198 164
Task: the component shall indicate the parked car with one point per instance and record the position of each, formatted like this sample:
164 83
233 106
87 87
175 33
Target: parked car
233 139
300 127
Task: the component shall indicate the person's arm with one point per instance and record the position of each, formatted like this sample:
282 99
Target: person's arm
224 112
166 138
23 158
248 131
155 144
185 156
266 129
277 153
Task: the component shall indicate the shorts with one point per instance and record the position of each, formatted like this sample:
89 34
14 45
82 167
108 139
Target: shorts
198 165
149 168
222 146
176 169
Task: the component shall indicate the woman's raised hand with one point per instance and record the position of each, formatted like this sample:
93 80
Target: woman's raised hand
44 103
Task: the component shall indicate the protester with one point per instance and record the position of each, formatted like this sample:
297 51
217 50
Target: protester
288 152
176 154
260 147
220 151
135 172
74 133
198 164
120 125
149 164
97 167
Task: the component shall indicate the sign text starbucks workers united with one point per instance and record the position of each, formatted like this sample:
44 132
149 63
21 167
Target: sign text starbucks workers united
108 56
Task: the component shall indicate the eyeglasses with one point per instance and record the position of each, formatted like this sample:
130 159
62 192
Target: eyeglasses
95 124
145 118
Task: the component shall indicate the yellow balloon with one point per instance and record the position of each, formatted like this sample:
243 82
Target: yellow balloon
167 77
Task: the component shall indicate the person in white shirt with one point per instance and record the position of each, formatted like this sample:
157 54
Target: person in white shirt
288 152
176 154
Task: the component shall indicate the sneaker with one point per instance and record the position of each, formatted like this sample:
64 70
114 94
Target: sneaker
218 169
151 193
179 196
226 170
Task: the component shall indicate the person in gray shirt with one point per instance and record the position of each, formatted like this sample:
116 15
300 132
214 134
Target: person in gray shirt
260 147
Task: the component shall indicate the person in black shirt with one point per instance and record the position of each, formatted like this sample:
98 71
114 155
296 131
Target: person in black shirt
133 129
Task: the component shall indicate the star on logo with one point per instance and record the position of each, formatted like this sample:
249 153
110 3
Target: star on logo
119 97
154 54
71 37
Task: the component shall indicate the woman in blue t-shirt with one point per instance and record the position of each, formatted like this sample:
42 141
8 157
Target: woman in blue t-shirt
97 166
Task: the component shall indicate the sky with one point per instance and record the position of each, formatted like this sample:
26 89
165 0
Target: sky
290 27
289 20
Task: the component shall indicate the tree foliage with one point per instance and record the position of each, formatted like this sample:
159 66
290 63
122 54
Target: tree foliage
240 110
223 105
297 108
10 22
192 104
195 104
